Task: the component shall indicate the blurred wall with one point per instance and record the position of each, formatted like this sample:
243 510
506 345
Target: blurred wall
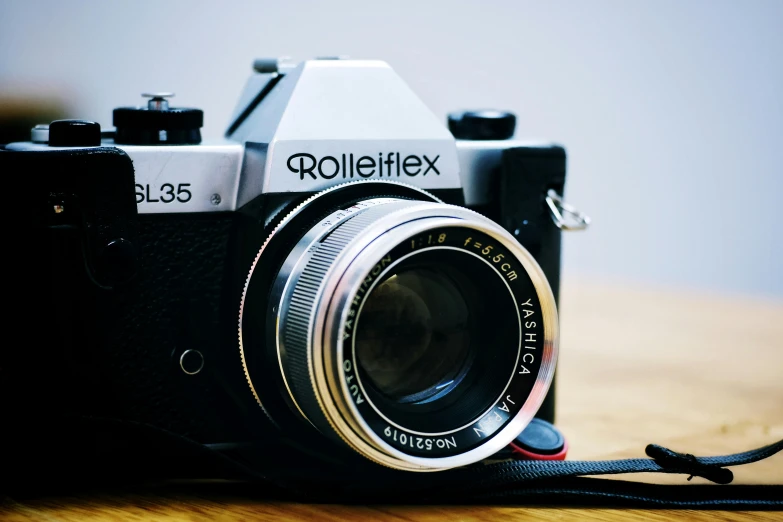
671 111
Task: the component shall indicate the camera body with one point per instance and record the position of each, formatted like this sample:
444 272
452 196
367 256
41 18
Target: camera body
140 243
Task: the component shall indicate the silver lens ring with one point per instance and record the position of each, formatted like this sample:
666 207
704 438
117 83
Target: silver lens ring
325 280
251 338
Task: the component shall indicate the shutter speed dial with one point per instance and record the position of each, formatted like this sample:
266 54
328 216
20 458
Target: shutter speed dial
158 123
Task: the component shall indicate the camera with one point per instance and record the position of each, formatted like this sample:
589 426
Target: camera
342 272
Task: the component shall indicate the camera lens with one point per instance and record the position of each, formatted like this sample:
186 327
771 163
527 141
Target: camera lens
420 334
433 337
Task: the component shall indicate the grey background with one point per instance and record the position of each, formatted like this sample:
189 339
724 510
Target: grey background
671 111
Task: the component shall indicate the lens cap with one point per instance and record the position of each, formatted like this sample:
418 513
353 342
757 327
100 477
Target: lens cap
540 441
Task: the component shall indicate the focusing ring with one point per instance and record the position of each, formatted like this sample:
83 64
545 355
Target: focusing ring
257 337
297 312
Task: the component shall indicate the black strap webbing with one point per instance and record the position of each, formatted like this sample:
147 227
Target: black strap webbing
105 451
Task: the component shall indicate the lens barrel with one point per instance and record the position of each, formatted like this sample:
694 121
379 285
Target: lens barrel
420 334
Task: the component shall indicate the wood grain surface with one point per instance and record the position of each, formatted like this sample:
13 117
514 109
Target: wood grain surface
697 373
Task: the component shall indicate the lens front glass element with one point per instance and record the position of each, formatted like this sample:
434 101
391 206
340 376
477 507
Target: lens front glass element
436 340
414 342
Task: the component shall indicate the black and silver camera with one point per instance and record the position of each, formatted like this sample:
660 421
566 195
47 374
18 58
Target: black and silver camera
342 272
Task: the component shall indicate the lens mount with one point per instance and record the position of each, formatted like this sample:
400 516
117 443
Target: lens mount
469 308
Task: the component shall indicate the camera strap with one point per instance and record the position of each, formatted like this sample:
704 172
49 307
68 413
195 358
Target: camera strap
574 483
569 481
102 451
529 482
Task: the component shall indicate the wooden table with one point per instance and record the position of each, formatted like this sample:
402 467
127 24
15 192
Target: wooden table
697 373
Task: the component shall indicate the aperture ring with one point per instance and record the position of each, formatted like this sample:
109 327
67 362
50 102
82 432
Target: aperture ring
296 311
